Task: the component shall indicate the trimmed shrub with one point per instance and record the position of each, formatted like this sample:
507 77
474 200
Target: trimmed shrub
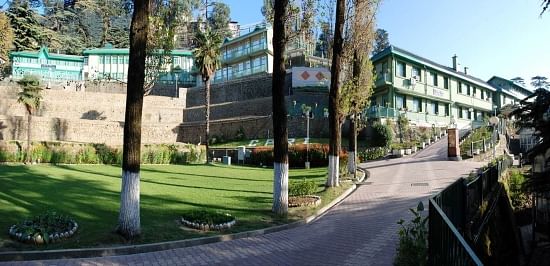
383 135
302 188
372 154
297 155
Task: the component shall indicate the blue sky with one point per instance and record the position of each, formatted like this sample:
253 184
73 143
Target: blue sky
490 37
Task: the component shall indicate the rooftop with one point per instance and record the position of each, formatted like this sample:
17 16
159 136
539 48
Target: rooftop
515 84
126 51
44 50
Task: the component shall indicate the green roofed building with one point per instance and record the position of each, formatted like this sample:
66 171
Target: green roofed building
47 66
428 93
109 63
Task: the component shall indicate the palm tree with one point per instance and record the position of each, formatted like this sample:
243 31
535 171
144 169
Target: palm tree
29 96
129 215
280 133
207 60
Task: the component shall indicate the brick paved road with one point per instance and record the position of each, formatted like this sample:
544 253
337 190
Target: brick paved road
361 230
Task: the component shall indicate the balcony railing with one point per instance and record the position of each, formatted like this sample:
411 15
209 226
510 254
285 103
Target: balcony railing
244 51
389 112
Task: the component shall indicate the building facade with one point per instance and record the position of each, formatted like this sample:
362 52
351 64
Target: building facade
427 93
508 92
246 55
47 66
112 64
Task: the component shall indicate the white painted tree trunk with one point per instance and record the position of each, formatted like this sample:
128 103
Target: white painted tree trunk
333 171
129 218
351 162
280 188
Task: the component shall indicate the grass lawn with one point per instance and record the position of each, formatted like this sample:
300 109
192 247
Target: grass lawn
91 194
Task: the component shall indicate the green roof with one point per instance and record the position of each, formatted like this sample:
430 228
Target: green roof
36 54
126 51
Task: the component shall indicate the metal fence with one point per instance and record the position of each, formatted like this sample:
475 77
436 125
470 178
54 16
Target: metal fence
459 213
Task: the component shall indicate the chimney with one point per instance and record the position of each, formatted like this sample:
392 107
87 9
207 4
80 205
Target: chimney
466 70
455 63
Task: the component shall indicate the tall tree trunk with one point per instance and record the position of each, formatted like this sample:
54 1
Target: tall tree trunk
352 147
105 29
29 121
280 133
334 95
207 117
129 217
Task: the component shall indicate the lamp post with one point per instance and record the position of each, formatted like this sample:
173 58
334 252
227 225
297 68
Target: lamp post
306 111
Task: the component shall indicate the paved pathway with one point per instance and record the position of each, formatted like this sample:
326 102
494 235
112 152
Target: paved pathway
361 230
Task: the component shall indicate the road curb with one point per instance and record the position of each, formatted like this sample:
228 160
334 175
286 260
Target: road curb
145 248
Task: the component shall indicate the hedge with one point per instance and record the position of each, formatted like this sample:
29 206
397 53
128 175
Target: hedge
297 155
94 153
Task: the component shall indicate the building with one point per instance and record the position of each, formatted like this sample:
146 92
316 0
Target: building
508 92
252 53
47 66
109 63
427 93
246 55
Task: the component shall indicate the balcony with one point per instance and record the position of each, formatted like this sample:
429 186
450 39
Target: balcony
245 51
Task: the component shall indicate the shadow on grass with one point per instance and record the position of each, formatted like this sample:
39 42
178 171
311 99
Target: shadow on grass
94 203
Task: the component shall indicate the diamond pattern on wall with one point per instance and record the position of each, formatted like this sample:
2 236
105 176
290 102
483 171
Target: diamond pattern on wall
305 75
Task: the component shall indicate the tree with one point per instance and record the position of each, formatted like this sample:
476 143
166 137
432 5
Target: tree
220 18
129 216
25 27
540 82
334 96
6 40
545 5
29 96
207 60
357 90
280 132
534 112
382 41
519 80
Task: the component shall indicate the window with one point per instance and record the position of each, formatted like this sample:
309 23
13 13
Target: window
435 107
459 87
475 91
399 99
469 114
467 89
446 83
460 112
416 73
401 69
446 110
417 105
120 60
434 76
482 94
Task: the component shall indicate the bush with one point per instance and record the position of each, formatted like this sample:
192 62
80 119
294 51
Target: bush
43 229
207 217
302 188
63 153
518 197
383 135
372 154
297 155
413 241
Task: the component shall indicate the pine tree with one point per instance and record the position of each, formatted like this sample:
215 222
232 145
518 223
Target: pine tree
25 27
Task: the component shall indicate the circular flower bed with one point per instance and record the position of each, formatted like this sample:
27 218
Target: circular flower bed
307 200
207 220
44 229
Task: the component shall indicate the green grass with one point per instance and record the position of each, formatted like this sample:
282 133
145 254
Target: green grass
90 193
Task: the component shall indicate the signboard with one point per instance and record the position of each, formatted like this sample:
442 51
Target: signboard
310 77
48 66
438 93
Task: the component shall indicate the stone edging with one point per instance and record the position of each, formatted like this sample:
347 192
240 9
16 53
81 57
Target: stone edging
143 248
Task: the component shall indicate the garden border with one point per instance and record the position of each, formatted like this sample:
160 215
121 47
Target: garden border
152 247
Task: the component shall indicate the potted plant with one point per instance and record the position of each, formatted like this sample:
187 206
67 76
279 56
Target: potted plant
397 150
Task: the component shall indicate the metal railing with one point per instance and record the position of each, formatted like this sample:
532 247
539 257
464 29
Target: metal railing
459 214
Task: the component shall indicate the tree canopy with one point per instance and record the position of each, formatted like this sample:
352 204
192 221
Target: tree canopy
382 41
